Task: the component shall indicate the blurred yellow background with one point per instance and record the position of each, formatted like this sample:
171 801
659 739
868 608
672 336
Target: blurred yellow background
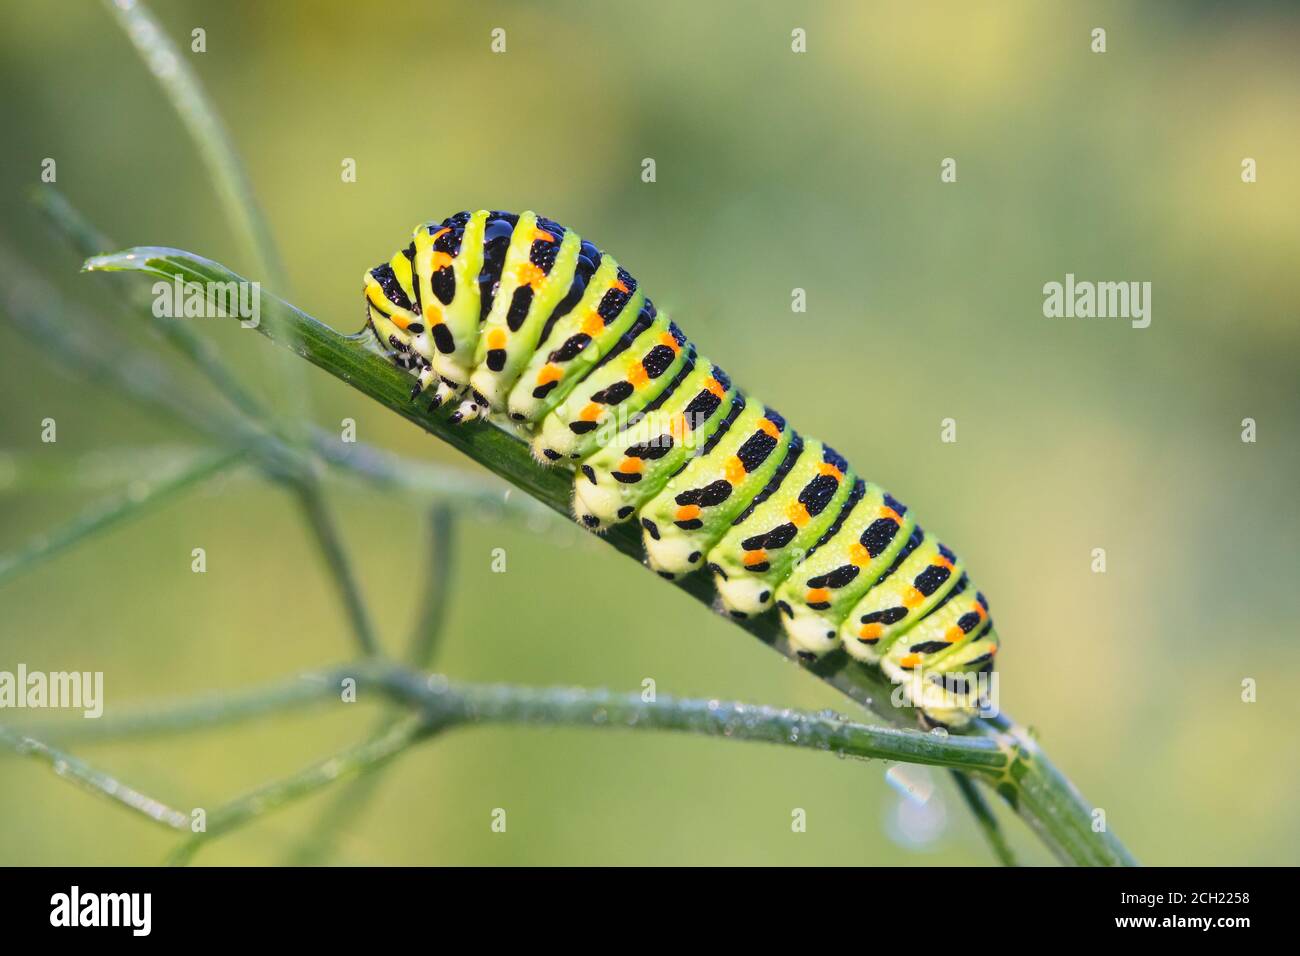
775 170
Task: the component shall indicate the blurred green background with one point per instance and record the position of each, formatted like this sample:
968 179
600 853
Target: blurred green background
775 170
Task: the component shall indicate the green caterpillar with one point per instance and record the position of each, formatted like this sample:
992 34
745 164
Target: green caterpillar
515 314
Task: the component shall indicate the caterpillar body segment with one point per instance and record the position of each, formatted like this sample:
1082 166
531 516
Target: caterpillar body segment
817 597
448 260
941 682
621 476
538 269
631 376
959 619
390 299
909 591
579 337
697 506
517 315
780 526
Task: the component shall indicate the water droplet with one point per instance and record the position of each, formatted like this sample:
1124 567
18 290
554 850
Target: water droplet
437 683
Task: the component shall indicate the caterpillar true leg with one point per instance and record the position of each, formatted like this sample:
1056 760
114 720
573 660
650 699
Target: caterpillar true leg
445 392
517 315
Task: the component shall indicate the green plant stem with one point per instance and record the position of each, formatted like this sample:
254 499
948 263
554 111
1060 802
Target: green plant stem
37 308
312 500
68 222
469 493
375 465
207 712
506 704
83 352
95 781
449 703
196 112
182 87
426 483
435 704
1037 791
984 818
140 496
85 238
97 470
442 705
349 763
320 843
426 635
356 360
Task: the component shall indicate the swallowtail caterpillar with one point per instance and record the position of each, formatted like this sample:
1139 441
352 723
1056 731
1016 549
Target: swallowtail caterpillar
514 314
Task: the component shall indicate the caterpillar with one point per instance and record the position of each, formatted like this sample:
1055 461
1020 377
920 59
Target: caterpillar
503 313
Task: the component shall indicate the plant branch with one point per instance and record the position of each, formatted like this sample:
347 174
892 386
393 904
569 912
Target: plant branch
444 484
350 465
140 496
326 534
352 762
98 470
183 89
96 781
356 360
435 704
365 461
180 84
452 703
1033 787
83 352
426 635
984 818
288 442
319 845
71 226
206 712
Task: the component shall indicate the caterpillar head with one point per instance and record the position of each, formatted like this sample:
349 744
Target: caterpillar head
390 312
